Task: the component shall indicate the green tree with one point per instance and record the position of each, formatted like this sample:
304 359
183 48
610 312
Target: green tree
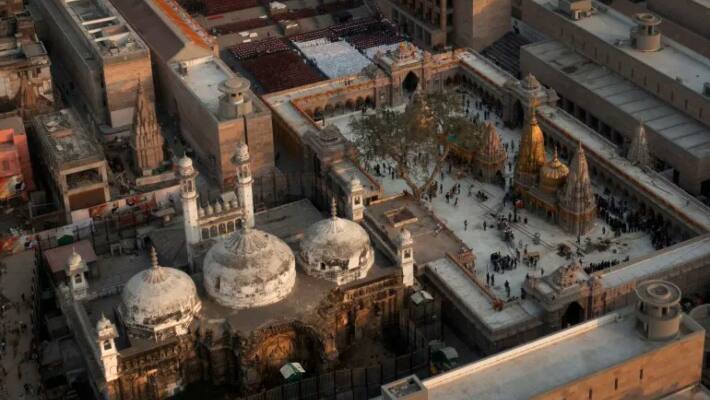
418 140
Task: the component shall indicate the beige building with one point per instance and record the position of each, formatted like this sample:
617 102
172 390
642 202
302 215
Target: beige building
691 14
73 160
613 72
462 23
25 78
213 107
100 60
648 352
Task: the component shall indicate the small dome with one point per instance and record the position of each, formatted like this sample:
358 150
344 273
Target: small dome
185 162
242 153
330 134
75 263
530 82
553 173
159 299
104 324
404 236
250 268
336 249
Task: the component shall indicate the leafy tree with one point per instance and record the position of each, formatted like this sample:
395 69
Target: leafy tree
418 140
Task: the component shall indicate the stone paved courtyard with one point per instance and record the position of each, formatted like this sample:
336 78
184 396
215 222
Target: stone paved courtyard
486 241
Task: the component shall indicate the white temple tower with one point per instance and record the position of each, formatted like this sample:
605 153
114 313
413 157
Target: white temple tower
244 181
106 335
405 254
188 193
76 270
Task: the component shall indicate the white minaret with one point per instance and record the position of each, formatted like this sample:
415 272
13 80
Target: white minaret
356 206
405 253
106 335
190 211
244 181
76 270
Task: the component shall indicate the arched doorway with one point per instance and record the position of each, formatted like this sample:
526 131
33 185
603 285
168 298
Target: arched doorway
573 315
410 83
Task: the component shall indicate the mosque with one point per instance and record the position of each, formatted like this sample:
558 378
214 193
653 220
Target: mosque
283 285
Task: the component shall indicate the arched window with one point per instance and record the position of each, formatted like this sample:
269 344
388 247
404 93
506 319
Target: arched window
205 233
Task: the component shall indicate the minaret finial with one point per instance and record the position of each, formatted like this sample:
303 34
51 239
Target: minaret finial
333 207
154 258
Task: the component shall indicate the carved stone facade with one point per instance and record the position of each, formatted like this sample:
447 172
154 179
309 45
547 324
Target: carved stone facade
491 156
146 141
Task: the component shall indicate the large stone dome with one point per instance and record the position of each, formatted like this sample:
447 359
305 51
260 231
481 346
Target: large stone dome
336 249
251 268
159 302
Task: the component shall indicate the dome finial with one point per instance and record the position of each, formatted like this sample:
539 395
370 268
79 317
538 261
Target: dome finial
554 154
333 207
154 258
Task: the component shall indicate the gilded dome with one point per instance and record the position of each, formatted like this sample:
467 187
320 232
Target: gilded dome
554 169
531 156
336 249
250 268
159 298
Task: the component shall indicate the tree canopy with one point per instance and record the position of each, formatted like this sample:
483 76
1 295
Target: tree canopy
418 140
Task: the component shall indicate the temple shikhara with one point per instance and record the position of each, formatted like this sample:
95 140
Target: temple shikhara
396 200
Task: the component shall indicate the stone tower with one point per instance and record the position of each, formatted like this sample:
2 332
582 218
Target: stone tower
244 182
146 141
76 270
578 208
106 335
356 206
638 152
491 156
531 155
190 210
405 254
658 310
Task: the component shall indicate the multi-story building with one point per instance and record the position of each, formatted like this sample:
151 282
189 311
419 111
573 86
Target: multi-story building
652 351
441 23
213 107
73 161
15 164
25 71
614 72
100 60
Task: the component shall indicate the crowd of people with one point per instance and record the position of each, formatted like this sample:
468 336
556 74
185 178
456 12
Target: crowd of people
622 219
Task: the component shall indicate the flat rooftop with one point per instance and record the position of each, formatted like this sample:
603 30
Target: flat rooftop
203 77
537 368
65 140
674 60
102 26
671 124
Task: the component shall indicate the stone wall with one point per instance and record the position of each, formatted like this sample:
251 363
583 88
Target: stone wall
650 376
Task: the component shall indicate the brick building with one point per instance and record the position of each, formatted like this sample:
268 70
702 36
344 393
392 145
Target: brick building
464 23
15 164
100 60
647 352
73 161
26 81
214 108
